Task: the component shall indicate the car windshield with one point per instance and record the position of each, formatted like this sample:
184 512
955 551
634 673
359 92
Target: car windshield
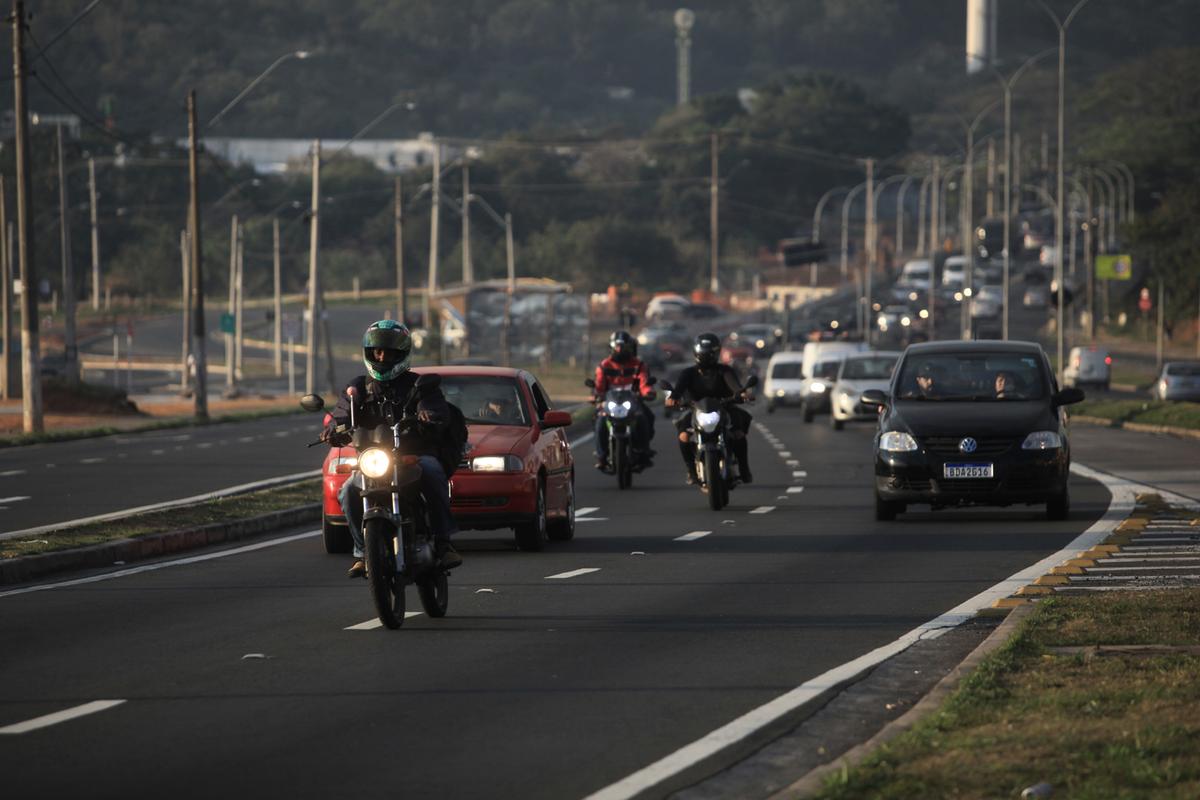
486 400
868 368
1191 370
827 369
786 370
971 377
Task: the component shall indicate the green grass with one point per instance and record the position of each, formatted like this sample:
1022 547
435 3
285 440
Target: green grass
228 509
1147 412
1114 726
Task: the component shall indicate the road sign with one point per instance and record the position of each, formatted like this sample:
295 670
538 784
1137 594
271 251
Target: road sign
1117 267
1144 300
228 323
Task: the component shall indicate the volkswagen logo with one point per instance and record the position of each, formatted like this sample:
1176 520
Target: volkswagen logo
968 445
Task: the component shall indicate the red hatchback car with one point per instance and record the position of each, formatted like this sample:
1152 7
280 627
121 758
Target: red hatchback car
518 471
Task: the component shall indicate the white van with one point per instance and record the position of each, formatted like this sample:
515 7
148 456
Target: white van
916 273
784 381
954 272
1090 365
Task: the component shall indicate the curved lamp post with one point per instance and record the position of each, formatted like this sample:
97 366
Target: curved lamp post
297 54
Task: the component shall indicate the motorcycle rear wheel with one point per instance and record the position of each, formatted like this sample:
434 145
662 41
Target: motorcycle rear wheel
434 590
387 588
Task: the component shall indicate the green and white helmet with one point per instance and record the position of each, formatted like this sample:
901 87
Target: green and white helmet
393 337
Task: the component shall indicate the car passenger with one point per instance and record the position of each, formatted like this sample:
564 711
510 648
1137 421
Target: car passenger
1006 385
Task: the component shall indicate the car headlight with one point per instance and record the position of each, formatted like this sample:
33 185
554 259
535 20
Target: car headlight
1042 440
897 442
780 393
374 463
708 420
816 387
509 463
618 410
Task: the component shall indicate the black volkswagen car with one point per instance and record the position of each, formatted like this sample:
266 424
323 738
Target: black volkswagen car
972 423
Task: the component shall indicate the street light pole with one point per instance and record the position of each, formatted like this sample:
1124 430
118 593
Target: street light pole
196 263
297 54
398 220
68 269
714 283
314 233
95 235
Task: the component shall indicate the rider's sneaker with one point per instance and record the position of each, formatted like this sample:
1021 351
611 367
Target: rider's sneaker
601 465
692 478
357 570
450 558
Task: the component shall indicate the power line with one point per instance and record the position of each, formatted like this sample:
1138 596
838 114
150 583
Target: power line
42 49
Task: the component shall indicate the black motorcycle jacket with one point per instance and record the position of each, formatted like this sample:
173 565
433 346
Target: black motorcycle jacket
384 403
697 383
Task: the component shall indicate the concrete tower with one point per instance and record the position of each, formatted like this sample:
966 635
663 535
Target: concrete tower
981 34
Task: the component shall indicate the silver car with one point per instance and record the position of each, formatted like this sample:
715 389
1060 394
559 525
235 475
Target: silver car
858 373
1180 380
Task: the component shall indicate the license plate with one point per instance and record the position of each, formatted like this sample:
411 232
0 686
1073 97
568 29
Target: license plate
967 471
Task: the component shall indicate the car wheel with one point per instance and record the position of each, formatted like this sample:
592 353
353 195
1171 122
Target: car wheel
336 537
1059 506
886 510
531 535
835 423
770 408
808 414
563 530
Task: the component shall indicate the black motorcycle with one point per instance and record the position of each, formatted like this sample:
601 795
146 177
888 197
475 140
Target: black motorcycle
621 409
712 433
398 540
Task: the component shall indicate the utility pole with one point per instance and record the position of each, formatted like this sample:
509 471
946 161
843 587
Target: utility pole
468 270
95 234
31 384
434 229
512 287
68 270
935 192
714 282
277 274
6 337
196 262
314 241
231 308
991 178
869 248
240 308
186 307
401 299
1016 173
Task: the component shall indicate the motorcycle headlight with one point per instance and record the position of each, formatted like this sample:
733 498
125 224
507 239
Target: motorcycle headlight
816 387
897 442
374 463
708 420
1042 440
618 410
509 463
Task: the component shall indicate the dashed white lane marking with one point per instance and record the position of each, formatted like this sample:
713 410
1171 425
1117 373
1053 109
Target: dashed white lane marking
60 716
575 573
784 454
587 437
157 452
204 445
8 473
795 489
181 438
282 434
583 512
16 499
793 462
372 624
693 536
95 460
799 473
763 510
247 438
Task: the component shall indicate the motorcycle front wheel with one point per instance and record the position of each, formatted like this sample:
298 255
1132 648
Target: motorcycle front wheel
623 465
715 479
435 593
387 589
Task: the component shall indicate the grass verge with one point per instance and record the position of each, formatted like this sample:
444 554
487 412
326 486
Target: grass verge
227 509
1109 726
1147 412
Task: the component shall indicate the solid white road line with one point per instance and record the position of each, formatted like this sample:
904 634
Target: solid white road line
60 716
795 489
693 536
186 501
587 437
8 473
162 565
763 510
17 499
372 624
572 574
583 512
1123 497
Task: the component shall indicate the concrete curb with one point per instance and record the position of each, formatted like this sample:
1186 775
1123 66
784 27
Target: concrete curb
28 568
814 780
1170 430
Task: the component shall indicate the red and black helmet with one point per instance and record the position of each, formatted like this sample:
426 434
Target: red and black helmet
623 346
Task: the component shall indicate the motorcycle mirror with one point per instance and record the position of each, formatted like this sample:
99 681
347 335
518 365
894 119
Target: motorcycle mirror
312 402
666 385
351 391
752 381
588 382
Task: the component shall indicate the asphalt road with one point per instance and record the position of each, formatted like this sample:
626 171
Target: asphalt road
554 675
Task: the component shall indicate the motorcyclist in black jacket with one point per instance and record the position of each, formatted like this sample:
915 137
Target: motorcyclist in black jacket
387 347
710 378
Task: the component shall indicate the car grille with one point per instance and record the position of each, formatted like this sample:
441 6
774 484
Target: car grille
911 485
968 485
948 445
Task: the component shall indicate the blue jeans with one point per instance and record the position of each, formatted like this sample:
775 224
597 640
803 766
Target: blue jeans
435 488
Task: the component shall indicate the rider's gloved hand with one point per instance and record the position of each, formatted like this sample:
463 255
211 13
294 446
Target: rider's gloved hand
335 437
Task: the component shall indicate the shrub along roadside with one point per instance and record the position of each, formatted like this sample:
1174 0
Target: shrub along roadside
1111 725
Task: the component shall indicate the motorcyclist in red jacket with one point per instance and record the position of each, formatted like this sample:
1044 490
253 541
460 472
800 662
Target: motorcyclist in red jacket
623 368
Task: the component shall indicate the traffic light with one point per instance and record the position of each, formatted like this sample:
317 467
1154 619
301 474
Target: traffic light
798 252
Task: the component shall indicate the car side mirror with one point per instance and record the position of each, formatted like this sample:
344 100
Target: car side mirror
873 397
1068 396
588 382
312 402
556 419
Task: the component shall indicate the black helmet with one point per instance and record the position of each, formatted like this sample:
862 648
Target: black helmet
623 346
394 339
707 349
